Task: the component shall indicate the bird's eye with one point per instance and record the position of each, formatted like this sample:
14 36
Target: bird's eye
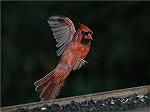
84 33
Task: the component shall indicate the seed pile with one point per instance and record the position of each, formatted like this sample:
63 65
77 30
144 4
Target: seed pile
111 104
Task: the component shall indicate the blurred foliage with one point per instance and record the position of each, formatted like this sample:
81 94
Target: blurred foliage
119 56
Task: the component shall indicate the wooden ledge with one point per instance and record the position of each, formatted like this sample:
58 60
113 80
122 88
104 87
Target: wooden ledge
96 96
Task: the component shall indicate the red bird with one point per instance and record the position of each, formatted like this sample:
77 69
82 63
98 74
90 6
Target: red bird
73 47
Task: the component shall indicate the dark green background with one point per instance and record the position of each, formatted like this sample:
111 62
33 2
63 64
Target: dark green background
119 55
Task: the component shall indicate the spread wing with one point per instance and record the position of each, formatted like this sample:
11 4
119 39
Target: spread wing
63 31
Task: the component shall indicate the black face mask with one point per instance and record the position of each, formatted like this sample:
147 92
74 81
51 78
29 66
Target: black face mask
85 41
84 33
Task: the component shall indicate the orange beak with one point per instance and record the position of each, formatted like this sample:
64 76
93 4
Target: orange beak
90 37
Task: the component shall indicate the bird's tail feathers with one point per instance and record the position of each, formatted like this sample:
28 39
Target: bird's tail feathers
50 85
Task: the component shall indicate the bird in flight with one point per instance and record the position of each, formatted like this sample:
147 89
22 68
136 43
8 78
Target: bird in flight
73 46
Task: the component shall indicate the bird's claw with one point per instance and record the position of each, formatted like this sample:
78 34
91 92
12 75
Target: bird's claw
79 64
82 63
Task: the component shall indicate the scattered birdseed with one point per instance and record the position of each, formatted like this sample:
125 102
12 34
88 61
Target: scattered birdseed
131 102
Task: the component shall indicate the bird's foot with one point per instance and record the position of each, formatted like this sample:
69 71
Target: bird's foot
79 64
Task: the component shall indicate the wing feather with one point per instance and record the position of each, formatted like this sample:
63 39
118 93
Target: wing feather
55 29
60 36
62 40
63 31
60 50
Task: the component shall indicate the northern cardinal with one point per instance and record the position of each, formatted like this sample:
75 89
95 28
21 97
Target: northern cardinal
73 46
